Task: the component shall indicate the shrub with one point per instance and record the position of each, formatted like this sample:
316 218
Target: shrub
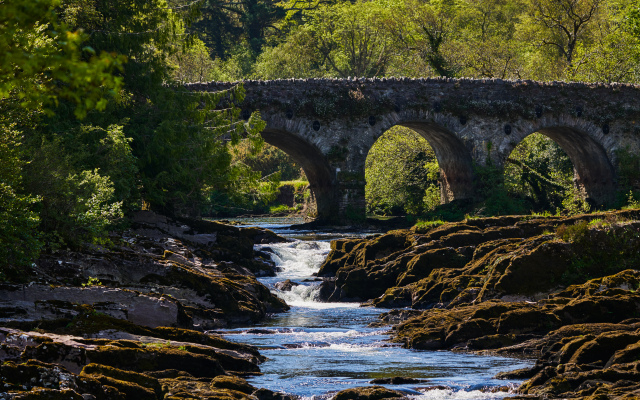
573 233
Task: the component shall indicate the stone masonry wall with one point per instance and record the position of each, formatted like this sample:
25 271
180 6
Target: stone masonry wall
329 125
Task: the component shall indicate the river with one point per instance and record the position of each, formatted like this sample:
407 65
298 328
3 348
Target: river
317 348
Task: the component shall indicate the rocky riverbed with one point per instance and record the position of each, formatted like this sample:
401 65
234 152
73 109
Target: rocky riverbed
126 320
561 290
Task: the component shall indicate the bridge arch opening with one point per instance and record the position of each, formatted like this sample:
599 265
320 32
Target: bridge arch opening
401 174
454 160
314 165
437 166
569 164
538 176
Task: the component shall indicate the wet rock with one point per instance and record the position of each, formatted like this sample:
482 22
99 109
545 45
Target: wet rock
396 380
266 394
286 285
162 273
368 393
512 258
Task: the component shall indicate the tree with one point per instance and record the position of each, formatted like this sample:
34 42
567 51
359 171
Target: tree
426 28
192 64
43 64
613 54
539 171
485 45
563 24
225 23
177 136
19 237
351 38
295 57
43 61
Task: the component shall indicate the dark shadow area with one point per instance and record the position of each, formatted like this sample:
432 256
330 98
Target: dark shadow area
314 164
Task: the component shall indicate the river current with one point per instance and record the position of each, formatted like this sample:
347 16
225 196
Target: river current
318 348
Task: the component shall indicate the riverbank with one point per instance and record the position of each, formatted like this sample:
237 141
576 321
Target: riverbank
126 320
563 291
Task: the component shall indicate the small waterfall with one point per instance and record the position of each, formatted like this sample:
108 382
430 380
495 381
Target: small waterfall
298 261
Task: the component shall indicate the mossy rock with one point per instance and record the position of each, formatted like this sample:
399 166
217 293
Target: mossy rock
156 359
368 393
492 341
233 383
261 236
133 384
527 321
603 347
191 336
199 389
130 390
462 332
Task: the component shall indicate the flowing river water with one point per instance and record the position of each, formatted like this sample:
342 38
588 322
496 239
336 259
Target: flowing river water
318 348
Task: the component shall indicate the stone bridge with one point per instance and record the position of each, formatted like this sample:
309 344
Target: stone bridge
329 125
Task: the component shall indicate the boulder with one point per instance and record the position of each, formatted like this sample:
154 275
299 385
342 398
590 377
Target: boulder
368 393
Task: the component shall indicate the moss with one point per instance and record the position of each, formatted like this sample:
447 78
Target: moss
130 389
196 389
368 393
233 383
146 382
156 359
188 335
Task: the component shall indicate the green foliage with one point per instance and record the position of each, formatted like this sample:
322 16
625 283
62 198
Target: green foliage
491 189
611 248
423 226
268 160
44 61
592 40
284 209
92 282
192 64
540 173
628 175
573 233
69 181
401 174
19 237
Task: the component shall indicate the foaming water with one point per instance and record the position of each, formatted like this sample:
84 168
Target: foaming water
317 349
297 260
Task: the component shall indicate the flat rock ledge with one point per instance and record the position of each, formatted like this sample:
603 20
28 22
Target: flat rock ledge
159 273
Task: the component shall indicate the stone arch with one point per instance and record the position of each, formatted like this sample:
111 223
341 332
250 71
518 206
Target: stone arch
312 162
454 158
594 174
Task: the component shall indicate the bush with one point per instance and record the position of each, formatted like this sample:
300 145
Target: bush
573 233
